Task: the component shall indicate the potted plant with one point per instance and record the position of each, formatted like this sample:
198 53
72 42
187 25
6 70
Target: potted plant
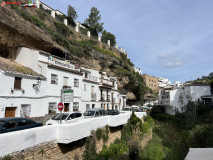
23 91
12 90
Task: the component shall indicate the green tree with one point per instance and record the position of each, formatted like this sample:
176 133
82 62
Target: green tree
93 21
108 36
72 15
72 12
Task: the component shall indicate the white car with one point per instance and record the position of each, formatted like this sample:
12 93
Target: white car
65 118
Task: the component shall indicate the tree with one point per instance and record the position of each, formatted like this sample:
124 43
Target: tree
93 21
72 15
71 12
108 36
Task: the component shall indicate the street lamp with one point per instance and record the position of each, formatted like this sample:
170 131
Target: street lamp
38 80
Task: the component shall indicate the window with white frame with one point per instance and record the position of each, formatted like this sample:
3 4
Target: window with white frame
85 87
87 106
54 79
52 107
66 81
76 82
75 106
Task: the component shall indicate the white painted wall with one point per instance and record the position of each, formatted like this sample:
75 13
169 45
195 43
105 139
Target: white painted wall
64 133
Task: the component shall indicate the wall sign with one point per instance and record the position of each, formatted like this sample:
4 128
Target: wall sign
67 95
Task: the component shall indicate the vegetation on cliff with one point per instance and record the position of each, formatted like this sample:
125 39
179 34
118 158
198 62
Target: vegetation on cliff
126 147
176 134
79 47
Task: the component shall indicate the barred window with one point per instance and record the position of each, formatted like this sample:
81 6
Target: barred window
54 79
76 82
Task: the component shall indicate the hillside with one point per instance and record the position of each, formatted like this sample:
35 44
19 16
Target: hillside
35 28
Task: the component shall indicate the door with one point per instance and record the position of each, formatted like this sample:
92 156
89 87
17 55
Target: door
10 111
66 107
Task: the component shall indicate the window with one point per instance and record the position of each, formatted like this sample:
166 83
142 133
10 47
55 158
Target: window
54 79
93 105
10 124
25 110
85 87
52 108
76 82
66 81
86 75
17 83
78 115
87 106
93 89
22 122
75 106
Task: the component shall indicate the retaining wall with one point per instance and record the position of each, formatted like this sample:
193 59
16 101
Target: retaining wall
64 133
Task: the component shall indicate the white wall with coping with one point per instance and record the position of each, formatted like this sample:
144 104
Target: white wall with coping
20 140
65 133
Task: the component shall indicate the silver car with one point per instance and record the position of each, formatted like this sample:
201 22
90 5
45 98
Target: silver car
65 118
94 112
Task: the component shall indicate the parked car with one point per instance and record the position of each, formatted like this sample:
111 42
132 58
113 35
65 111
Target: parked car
94 112
137 110
65 118
127 109
112 112
11 124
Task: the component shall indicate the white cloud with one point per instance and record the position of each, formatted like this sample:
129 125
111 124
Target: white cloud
170 59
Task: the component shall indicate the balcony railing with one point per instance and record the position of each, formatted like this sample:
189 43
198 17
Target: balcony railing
93 96
62 63
107 82
91 78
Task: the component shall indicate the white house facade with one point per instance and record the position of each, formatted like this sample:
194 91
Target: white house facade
176 99
51 80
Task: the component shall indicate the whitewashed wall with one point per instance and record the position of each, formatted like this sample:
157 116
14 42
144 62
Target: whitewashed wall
65 133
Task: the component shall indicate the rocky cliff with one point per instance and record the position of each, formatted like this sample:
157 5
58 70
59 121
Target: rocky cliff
35 28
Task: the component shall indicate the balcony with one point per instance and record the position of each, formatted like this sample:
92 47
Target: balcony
93 96
67 87
91 78
106 83
61 63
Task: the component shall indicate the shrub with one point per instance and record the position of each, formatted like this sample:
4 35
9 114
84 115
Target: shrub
8 157
90 149
98 133
62 28
107 52
113 152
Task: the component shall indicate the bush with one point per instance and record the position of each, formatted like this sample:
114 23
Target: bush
90 149
113 152
98 133
62 28
107 52
153 151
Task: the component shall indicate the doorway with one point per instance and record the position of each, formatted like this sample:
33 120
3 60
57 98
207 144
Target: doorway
66 107
10 111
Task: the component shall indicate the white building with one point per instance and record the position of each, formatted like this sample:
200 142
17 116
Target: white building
138 70
78 88
163 82
176 99
177 84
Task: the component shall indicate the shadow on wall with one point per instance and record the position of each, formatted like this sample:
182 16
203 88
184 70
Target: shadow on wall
65 148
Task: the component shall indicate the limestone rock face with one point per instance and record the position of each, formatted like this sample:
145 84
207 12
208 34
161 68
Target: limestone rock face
15 31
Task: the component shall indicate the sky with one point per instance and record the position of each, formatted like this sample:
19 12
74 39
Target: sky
165 38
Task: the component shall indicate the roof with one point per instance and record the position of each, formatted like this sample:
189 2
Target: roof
200 154
10 66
